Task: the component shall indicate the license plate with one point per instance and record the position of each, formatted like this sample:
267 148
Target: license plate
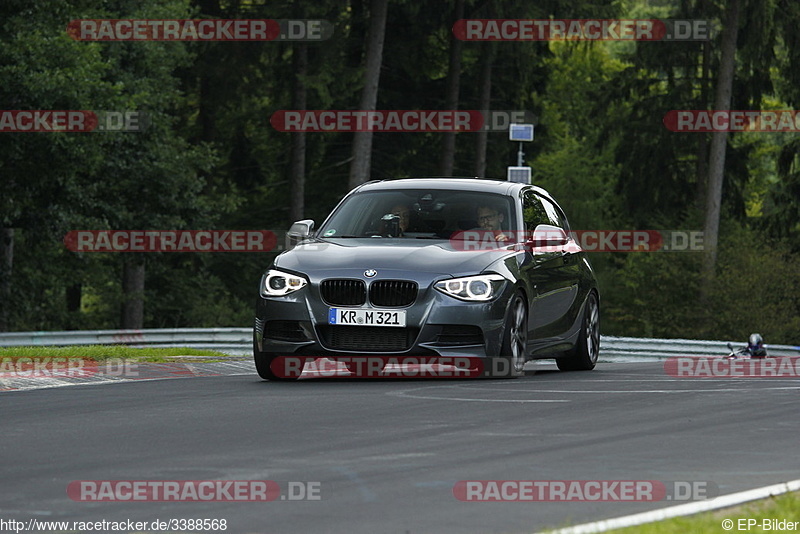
342 316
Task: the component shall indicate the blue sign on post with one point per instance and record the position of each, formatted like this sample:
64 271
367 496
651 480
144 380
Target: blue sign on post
520 132
520 175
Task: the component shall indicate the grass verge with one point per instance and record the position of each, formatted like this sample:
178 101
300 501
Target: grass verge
106 352
765 513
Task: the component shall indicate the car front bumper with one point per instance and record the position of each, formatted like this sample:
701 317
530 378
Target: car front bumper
436 325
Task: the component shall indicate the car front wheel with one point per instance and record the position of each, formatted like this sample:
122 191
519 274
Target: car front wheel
264 366
515 340
584 356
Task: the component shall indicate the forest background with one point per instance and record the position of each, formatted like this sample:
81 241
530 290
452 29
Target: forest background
210 159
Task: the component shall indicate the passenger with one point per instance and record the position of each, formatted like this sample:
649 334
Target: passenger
491 219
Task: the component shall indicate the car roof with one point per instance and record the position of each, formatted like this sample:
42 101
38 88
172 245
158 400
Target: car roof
483 185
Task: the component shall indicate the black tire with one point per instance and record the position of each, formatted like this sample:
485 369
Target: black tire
584 356
263 361
515 340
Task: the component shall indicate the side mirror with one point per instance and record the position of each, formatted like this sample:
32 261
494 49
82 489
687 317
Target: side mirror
547 235
298 231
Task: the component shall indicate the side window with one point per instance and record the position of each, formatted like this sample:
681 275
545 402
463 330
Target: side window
533 212
555 215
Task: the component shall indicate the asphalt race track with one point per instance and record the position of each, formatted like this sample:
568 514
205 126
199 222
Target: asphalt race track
387 453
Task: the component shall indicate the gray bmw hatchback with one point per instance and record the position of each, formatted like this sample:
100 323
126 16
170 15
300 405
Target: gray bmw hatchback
474 273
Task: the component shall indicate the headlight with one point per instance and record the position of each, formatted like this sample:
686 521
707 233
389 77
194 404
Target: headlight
474 288
278 283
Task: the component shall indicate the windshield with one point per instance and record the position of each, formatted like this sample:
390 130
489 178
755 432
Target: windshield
419 214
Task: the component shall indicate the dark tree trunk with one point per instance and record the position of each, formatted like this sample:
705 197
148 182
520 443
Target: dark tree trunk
482 137
208 9
451 100
716 167
358 33
74 297
132 294
702 142
6 270
362 141
298 171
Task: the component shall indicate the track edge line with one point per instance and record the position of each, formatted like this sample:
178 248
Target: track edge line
724 501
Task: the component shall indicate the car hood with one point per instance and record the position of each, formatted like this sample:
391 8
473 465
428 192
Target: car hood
346 257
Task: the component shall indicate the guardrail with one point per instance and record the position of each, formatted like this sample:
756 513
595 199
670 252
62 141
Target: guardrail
235 340
666 348
239 341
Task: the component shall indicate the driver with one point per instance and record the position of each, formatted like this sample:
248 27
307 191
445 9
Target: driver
402 211
403 215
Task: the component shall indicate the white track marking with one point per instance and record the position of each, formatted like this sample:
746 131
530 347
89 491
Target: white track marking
407 395
723 501
621 391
